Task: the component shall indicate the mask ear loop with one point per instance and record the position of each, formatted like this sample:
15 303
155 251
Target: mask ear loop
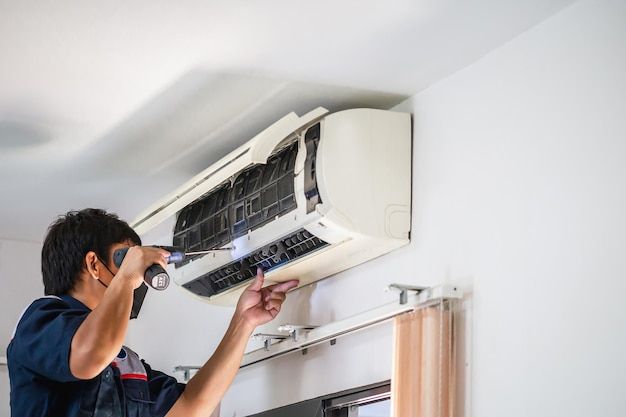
102 283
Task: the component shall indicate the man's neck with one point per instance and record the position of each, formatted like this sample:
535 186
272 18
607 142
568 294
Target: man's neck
85 296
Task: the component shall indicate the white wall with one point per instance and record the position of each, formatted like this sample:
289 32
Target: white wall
520 189
20 278
519 197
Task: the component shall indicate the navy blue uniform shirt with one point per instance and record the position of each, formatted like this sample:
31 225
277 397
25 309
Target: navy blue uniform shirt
42 384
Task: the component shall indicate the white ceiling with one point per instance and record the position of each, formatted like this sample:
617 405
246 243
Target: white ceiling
114 103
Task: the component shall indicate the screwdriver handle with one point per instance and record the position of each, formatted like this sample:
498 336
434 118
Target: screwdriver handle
155 276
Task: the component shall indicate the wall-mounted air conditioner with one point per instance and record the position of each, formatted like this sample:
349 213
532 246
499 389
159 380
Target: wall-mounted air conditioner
306 198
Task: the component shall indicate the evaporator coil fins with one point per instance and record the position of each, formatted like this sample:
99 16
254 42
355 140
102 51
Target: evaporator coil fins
258 194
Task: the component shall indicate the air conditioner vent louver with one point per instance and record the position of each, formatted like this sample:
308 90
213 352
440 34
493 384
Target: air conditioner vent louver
282 251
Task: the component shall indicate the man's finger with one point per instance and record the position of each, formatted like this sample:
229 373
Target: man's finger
163 252
273 304
159 256
265 293
284 286
257 284
275 295
159 259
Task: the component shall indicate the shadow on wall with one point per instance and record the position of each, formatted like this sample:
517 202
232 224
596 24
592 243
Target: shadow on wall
21 134
464 356
302 300
204 115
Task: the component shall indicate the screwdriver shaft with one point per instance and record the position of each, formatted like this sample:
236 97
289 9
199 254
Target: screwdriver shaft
204 252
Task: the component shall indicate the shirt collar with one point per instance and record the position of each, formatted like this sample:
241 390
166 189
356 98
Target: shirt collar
73 302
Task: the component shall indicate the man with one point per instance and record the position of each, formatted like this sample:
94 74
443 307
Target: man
66 357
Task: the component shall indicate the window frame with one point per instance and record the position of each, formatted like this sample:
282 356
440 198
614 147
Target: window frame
333 405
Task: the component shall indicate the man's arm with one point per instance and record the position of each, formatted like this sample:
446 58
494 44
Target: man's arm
205 390
100 337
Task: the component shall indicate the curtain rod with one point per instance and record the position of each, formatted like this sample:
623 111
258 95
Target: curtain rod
292 338
300 337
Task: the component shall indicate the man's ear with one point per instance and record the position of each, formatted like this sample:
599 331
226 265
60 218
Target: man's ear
92 265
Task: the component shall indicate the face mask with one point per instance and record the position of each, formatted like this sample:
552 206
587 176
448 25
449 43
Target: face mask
138 295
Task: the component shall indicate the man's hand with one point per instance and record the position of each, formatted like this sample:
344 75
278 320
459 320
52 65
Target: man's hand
138 259
258 305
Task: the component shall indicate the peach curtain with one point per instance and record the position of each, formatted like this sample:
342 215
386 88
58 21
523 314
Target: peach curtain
423 377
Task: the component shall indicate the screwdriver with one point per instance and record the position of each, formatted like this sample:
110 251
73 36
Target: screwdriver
155 276
178 255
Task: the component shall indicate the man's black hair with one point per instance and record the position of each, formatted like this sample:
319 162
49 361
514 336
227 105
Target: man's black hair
69 239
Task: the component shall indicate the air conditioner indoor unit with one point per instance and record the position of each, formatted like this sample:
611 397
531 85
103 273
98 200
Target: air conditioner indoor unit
306 198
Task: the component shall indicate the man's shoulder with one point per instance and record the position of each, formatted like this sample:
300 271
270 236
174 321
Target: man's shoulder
39 303
46 307
46 301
